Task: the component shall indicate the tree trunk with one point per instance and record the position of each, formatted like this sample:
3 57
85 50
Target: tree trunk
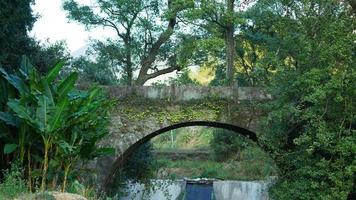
29 179
45 164
66 171
128 69
230 44
22 142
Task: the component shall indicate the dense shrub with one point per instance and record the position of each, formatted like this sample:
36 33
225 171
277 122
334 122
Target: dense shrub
226 143
13 184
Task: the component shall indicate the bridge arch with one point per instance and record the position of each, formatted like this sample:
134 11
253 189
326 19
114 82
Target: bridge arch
122 158
143 112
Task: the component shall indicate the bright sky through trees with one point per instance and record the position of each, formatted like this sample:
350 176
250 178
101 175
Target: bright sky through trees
52 24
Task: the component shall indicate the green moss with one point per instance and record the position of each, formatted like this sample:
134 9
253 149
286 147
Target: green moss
138 109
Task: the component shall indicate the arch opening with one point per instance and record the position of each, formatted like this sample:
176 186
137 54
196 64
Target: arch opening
121 160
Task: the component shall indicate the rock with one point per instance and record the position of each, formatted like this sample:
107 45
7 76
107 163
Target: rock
52 196
67 196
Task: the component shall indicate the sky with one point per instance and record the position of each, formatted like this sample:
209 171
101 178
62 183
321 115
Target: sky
52 25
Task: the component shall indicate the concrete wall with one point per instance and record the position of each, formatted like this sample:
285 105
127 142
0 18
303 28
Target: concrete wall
162 190
241 190
187 93
222 190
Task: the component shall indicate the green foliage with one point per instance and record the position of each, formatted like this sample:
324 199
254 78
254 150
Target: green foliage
9 148
140 163
139 167
66 122
311 121
254 164
226 143
220 78
245 161
140 42
86 191
100 72
183 138
17 19
13 183
183 79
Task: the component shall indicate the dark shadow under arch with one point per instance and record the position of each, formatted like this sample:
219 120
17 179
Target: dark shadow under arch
121 160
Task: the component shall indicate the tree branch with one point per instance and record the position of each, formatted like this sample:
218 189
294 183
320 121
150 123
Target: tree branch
113 25
162 71
148 60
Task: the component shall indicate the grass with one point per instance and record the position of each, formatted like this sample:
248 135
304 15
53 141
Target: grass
13 183
184 138
254 165
251 164
13 186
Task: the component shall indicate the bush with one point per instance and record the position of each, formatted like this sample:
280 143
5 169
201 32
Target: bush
226 143
13 184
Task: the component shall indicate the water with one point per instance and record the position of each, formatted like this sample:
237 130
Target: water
198 191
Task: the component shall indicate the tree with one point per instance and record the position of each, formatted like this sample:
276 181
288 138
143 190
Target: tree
226 143
144 29
230 41
219 19
99 71
16 20
311 120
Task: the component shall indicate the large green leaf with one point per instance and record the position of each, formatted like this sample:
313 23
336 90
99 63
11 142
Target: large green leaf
65 147
42 112
51 76
67 85
15 81
9 148
34 82
48 92
9 119
22 112
25 67
58 115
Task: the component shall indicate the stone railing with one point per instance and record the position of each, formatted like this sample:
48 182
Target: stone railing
187 93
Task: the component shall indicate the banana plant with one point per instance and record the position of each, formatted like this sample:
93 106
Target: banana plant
67 120
8 85
84 127
42 104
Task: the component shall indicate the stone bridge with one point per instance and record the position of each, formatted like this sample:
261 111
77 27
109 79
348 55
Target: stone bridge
144 112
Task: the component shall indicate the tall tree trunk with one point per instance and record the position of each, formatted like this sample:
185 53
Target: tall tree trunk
128 69
230 43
